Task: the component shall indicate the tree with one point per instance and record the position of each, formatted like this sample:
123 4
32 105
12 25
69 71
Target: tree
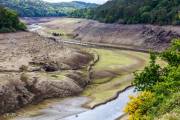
9 21
137 11
149 76
159 88
172 55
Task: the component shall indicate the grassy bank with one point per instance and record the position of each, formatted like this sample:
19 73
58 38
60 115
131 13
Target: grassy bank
112 74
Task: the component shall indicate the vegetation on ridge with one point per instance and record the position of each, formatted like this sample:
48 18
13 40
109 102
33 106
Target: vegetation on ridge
159 88
40 8
9 21
134 11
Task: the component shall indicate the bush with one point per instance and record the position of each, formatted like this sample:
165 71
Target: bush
172 55
136 107
170 103
149 76
24 77
163 86
21 26
23 68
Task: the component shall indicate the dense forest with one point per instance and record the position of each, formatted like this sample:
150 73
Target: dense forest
159 95
134 11
39 8
9 21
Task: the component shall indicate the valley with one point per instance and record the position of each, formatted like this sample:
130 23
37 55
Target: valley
63 57
89 60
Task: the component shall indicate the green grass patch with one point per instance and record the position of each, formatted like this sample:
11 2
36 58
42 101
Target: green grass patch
102 92
59 31
103 89
55 75
101 80
109 59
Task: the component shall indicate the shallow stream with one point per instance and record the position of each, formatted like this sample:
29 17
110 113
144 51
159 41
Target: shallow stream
70 109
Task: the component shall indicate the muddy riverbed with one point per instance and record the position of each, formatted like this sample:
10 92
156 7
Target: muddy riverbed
112 73
70 109
103 88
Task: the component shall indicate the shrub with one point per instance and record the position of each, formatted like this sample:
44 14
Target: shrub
24 77
163 85
170 103
135 108
172 55
149 76
23 68
21 26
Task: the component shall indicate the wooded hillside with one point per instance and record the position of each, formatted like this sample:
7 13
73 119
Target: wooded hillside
9 21
134 11
39 8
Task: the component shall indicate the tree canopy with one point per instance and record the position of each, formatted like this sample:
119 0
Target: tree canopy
9 21
40 8
159 95
134 11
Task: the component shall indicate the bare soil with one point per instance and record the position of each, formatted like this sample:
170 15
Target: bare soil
28 60
26 66
137 36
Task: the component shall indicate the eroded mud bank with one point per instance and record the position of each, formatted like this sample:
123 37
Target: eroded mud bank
34 68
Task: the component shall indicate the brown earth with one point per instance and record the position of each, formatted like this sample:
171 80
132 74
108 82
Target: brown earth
27 58
28 67
135 36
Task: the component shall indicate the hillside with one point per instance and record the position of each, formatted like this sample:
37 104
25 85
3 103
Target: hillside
23 81
136 37
39 8
75 5
9 21
134 11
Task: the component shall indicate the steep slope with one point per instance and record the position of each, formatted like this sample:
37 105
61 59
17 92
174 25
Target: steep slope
134 37
39 8
26 70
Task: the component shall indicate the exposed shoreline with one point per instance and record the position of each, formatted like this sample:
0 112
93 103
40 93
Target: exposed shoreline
29 88
92 44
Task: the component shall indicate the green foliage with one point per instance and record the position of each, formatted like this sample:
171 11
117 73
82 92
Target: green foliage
149 76
170 103
23 68
163 83
135 11
24 77
172 55
139 105
9 21
39 8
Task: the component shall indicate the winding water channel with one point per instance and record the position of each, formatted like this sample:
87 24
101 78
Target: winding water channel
65 111
109 111
71 108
